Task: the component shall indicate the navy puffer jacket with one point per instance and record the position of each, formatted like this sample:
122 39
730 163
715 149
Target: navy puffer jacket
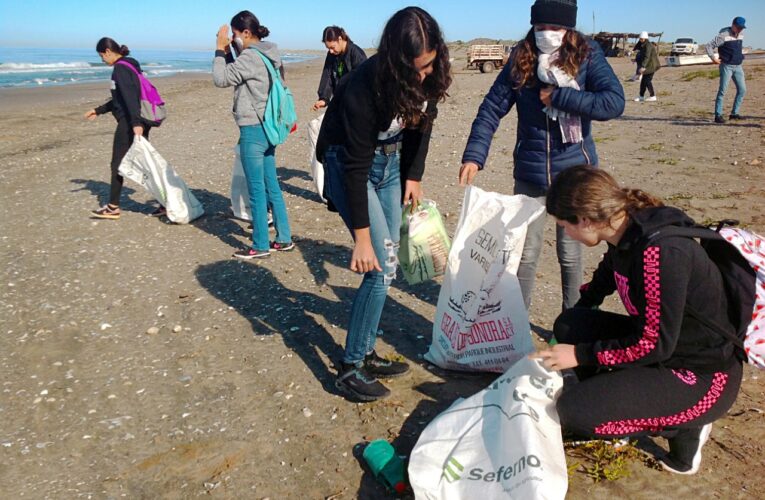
540 154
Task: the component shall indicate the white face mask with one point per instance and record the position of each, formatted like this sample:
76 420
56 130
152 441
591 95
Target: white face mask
239 43
549 41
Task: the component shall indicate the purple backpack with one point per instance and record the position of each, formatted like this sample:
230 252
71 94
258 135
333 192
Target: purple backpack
152 106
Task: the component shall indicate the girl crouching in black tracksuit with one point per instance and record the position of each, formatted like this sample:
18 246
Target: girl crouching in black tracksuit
658 370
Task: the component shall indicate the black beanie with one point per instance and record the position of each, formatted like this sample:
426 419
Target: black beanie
558 12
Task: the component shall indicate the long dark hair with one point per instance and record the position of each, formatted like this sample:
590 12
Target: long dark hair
588 192
571 56
410 33
334 33
108 43
246 20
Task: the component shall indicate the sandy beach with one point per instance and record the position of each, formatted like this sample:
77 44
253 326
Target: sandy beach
139 360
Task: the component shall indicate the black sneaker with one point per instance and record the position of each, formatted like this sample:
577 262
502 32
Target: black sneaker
735 117
281 247
719 119
384 368
685 450
359 384
251 254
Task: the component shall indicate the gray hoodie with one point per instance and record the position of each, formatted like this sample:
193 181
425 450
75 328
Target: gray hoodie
249 75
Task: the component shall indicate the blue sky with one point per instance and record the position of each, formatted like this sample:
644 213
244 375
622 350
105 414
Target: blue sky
297 24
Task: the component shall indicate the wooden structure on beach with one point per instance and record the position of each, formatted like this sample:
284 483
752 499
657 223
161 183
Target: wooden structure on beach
615 44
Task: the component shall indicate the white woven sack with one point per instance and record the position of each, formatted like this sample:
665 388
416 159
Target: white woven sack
144 165
481 323
317 169
240 195
504 442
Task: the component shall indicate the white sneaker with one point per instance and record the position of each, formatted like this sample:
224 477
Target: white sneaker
651 99
638 99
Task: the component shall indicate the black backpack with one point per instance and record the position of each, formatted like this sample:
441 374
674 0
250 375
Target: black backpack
740 256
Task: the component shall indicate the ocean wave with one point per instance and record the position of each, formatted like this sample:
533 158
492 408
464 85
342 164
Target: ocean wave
35 67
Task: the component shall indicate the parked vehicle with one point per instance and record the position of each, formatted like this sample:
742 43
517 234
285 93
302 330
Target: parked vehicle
487 58
684 46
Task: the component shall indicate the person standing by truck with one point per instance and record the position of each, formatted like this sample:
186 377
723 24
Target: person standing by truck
649 65
558 81
729 44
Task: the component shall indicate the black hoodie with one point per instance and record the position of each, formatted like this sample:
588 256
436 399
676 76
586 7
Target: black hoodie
664 286
126 94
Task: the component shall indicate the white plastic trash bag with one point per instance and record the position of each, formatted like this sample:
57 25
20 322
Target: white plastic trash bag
240 195
317 169
144 165
504 442
481 323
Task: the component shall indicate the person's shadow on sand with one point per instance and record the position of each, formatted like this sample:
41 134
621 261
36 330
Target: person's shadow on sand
289 312
101 189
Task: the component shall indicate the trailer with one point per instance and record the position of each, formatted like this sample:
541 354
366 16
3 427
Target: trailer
487 58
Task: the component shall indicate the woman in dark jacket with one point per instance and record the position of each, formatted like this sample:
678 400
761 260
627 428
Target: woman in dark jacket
649 65
125 106
559 82
343 56
662 369
373 144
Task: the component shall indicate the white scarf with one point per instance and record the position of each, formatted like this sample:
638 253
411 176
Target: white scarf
547 72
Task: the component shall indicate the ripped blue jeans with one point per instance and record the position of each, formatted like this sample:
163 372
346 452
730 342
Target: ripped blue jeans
384 195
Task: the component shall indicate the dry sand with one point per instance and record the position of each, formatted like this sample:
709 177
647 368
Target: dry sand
233 395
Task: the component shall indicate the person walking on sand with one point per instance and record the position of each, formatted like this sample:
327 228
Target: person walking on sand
343 56
649 65
558 81
373 144
125 106
664 369
729 44
251 79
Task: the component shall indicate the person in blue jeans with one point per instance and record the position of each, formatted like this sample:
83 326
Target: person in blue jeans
251 78
729 44
373 143
558 81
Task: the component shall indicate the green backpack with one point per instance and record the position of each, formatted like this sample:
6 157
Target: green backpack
280 119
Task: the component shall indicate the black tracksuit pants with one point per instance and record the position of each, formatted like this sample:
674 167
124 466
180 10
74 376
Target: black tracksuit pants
637 400
123 139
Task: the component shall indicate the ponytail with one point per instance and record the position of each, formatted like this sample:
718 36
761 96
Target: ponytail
246 20
637 199
588 192
108 43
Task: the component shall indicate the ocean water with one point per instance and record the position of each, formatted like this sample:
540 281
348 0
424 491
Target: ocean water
34 67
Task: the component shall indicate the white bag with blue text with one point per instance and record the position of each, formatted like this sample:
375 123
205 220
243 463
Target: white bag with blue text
240 195
504 442
481 323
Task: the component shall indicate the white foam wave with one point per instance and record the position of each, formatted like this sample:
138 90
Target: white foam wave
33 67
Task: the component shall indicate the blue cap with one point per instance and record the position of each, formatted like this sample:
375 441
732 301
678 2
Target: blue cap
740 22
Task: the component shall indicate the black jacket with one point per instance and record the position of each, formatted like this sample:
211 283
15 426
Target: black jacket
664 286
126 94
336 67
353 122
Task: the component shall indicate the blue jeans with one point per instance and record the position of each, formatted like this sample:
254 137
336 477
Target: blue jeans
728 71
569 252
259 164
384 195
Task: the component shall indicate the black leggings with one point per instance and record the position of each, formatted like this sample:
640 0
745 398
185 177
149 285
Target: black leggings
123 139
639 400
646 82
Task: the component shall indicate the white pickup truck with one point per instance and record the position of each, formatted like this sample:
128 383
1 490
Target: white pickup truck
684 46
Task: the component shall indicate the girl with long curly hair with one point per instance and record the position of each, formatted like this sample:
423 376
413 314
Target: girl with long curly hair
558 81
373 145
